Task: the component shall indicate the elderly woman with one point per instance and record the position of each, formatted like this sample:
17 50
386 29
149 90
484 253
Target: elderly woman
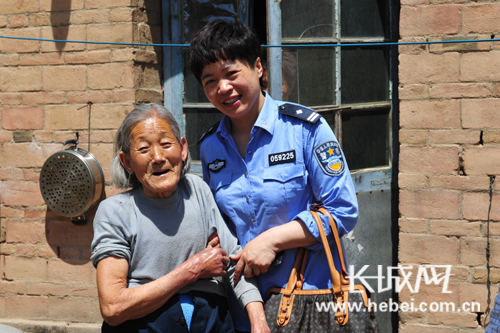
155 272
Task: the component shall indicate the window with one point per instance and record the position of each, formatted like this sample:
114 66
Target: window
348 85
184 95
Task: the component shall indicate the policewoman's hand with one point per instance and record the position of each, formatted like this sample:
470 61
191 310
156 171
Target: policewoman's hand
255 258
259 254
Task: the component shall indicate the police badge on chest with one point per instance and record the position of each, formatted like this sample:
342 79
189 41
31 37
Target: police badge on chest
216 165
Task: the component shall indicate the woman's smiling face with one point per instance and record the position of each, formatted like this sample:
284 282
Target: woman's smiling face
233 87
155 157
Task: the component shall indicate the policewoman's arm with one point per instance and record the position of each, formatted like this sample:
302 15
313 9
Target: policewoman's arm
332 185
331 182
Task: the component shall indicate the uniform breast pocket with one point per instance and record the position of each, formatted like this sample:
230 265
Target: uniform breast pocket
218 180
219 183
284 185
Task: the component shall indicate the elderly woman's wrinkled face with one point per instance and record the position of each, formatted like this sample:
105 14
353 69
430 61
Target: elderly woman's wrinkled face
155 157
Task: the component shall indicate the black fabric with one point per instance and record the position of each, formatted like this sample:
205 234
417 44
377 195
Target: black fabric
211 130
211 315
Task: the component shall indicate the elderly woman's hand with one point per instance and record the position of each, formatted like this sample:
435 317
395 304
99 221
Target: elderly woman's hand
209 263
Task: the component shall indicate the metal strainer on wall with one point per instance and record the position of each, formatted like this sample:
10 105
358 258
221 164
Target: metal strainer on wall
72 182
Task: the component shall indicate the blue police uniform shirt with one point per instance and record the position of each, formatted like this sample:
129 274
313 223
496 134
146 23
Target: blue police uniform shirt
290 163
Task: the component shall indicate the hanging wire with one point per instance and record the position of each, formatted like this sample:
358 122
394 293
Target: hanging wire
89 108
2 234
288 45
89 105
488 283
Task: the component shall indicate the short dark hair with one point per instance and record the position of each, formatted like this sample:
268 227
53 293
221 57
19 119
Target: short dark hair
223 40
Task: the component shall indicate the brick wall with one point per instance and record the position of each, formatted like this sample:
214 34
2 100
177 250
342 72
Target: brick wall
450 144
46 280
449 135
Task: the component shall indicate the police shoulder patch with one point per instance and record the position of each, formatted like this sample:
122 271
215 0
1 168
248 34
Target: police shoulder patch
211 130
330 158
299 111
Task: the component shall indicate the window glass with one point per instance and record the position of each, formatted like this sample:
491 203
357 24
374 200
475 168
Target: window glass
364 18
365 138
307 19
193 90
310 73
199 121
315 80
364 75
197 13
289 71
329 116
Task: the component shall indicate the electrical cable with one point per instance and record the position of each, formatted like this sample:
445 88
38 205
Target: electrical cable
488 283
268 46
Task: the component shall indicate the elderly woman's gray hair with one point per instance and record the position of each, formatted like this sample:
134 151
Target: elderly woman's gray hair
119 176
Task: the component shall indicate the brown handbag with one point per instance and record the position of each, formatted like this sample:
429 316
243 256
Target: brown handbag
292 309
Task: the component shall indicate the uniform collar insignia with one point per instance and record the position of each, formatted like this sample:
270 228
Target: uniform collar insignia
300 112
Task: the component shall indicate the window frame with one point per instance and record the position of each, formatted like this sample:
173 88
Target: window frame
172 16
173 86
275 79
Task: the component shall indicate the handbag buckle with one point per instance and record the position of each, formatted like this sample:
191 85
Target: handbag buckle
315 206
284 311
341 317
282 303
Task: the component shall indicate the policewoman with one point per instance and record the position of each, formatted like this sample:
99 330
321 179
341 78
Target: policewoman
266 162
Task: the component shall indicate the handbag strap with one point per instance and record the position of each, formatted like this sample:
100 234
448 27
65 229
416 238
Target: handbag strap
338 244
300 277
337 279
294 282
335 275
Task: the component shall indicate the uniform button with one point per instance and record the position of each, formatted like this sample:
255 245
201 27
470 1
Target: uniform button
282 107
249 151
251 221
183 321
246 174
248 199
